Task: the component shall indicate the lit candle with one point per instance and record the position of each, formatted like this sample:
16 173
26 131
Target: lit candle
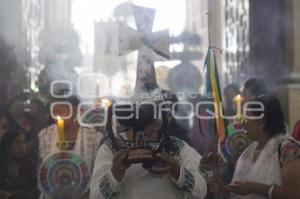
61 130
106 102
238 102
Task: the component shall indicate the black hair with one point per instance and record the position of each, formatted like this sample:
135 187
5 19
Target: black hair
256 87
146 116
13 124
11 102
232 86
3 114
39 103
274 122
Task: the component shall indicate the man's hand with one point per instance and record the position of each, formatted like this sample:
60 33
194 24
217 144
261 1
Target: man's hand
120 166
170 165
217 188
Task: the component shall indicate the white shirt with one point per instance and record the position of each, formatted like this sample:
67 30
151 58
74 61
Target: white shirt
86 145
266 169
139 183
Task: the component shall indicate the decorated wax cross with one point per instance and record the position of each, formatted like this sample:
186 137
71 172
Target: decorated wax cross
145 42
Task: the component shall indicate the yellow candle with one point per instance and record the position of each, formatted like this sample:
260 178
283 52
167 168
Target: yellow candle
106 102
238 102
61 130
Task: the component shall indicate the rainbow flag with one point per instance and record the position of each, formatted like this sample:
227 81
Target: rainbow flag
213 93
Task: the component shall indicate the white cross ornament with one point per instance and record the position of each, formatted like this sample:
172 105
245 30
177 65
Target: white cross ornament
145 41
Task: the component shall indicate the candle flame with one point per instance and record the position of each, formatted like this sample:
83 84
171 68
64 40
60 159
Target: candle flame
107 102
97 81
58 117
237 99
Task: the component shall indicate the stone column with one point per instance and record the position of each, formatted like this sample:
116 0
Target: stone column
290 94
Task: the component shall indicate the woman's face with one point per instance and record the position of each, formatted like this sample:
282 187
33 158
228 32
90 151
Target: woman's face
18 147
253 127
64 111
61 110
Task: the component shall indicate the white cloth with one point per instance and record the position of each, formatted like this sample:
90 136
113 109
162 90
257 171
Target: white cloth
139 183
86 146
266 169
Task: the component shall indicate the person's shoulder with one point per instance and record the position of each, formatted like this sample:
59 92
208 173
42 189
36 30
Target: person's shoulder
289 149
174 145
290 144
248 150
177 141
47 131
286 141
114 144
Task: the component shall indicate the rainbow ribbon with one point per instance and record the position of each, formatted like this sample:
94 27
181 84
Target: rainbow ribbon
213 93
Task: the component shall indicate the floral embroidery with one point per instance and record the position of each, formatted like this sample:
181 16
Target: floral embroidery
121 142
188 182
173 146
109 143
290 151
105 188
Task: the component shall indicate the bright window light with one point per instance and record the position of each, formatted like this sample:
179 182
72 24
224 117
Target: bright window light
86 12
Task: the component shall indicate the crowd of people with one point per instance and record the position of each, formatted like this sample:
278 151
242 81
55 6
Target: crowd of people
267 168
19 156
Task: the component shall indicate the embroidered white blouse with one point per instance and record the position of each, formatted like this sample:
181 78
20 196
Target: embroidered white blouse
267 168
139 183
86 145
